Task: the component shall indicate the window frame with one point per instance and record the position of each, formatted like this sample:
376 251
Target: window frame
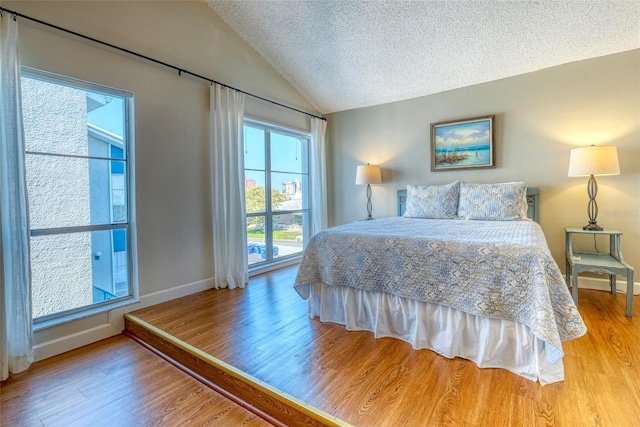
132 296
271 263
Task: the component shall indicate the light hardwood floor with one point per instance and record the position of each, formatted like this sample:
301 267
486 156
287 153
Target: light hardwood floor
115 382
265 331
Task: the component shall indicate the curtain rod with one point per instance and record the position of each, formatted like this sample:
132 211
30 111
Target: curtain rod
139 55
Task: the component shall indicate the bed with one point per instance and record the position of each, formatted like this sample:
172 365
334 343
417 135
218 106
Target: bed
464 270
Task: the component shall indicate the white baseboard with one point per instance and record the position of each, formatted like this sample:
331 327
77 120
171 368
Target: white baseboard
603 285
71 342
115 323
116 317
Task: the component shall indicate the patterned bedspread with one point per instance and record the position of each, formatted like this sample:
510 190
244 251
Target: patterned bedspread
499 269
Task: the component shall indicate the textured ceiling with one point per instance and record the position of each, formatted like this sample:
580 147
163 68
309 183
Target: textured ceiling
347 54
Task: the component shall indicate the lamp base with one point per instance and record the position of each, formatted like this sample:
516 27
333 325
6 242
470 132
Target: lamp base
369 217
592 226
592 207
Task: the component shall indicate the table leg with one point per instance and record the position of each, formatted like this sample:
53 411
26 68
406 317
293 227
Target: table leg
574 285
629 293
612 283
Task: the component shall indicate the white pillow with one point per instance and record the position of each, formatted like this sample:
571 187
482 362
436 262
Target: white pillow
493 202
432 201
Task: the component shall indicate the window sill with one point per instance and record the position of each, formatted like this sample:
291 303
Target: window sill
50 323
257 270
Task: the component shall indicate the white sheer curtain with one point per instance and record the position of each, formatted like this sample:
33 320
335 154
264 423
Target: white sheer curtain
318 178
16 333
227 184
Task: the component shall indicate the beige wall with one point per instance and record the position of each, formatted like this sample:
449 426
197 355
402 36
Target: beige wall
171 123
539 117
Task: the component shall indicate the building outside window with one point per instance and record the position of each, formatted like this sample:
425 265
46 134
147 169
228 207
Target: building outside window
277 193
78 173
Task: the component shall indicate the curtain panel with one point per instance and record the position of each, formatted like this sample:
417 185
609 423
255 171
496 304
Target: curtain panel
230 259
16 330
318 178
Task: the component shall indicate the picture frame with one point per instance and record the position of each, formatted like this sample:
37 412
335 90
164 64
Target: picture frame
463 144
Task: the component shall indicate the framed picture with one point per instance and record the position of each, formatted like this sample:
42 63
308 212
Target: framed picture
462 144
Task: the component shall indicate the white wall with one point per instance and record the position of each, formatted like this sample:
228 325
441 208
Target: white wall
171 126
540 117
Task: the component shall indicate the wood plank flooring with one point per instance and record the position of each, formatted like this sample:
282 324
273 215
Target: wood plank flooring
264 330
115 382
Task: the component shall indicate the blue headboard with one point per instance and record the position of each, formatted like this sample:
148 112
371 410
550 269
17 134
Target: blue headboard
533 195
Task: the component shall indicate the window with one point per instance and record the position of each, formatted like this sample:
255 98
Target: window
276 190
78 176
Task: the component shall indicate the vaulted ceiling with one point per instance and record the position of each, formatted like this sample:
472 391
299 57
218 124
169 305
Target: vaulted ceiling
345 54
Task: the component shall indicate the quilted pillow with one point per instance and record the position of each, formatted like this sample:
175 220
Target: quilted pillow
432 201
493 202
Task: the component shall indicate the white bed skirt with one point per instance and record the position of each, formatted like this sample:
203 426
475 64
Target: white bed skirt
490 343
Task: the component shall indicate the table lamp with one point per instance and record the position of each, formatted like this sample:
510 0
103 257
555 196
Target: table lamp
592 161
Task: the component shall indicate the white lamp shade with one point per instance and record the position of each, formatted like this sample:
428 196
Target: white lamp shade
368 174
594 160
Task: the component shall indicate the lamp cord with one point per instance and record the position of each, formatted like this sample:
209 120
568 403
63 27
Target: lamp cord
595 244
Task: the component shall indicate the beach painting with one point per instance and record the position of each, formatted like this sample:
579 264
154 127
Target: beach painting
462 144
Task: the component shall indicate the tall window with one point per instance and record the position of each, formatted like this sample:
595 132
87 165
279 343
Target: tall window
277 195
78 180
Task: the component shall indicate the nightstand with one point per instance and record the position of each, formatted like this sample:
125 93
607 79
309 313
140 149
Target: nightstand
610 263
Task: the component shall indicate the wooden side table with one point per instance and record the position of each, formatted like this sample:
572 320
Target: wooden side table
610 263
